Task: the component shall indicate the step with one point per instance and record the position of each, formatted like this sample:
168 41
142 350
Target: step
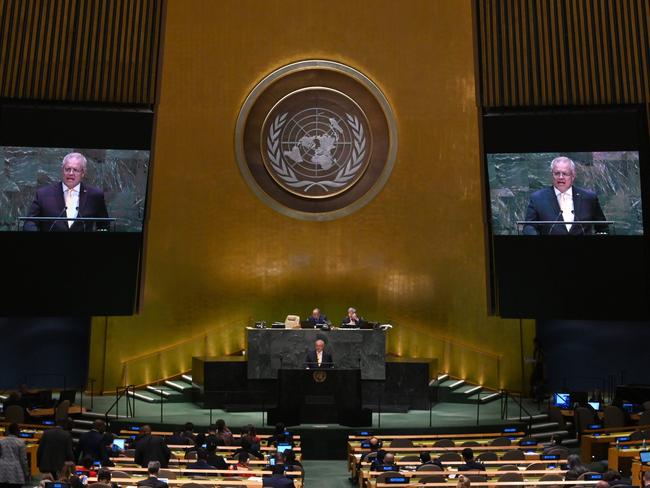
544 426
145 397
452 384
99 415
165 391
485 396
78 432
469 390
524 417
187 377
179 386
547 435
85 423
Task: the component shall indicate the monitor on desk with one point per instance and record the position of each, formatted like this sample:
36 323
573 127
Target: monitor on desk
562 400
595 405
645 457
283 447
118 445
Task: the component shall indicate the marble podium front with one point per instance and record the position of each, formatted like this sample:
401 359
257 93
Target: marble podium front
271 349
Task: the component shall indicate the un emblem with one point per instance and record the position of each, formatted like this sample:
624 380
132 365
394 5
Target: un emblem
314 146
319 376
316 140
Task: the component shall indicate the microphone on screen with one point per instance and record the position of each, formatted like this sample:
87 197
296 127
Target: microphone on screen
65 209
557 218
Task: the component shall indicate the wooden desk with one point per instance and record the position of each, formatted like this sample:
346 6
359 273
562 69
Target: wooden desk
594 446
452 483
368 478
31 459
637 472
49 412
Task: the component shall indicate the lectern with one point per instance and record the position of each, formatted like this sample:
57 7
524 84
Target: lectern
323 396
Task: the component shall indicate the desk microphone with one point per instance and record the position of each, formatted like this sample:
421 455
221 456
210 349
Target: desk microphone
582 229
557 218
65 209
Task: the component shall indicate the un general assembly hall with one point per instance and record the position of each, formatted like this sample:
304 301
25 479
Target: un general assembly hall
325 244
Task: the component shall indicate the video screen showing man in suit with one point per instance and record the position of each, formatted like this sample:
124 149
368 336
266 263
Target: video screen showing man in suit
565 189
564 202
69 198
319 358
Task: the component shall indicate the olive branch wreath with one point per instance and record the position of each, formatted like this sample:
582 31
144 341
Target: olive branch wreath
287 174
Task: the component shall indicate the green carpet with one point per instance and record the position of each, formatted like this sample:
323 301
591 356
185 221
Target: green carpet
442 415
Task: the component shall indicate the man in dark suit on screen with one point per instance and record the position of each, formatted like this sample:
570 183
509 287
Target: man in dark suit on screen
318 358
564 203
70 198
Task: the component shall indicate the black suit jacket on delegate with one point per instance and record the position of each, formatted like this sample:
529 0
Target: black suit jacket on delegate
311 360
50 202
277 481
152 482
92 443
54 449
543 205
152 448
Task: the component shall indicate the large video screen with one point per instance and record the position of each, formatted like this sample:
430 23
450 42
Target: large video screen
73 189
73 203
565 193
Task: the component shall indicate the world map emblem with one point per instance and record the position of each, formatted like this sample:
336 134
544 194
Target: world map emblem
317 143
316 140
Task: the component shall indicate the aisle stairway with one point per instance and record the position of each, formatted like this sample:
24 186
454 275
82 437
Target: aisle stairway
172 391
455 390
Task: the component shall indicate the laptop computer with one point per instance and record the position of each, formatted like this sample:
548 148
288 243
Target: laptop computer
364 324
118 444
562 400
283 447
645 457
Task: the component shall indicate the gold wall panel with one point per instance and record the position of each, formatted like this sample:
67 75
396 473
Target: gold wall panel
217 258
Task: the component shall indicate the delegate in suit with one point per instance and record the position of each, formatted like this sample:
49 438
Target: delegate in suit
318 358
564 203
70 198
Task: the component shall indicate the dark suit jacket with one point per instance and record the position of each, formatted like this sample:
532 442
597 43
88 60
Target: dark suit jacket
351 324
54 449
50 202
471 466
311 361
217 461
152 448
278 481
153 482
319 321
92 443
543 205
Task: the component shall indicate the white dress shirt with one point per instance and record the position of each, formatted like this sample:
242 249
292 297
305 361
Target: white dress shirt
319 357
566 205
71 198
